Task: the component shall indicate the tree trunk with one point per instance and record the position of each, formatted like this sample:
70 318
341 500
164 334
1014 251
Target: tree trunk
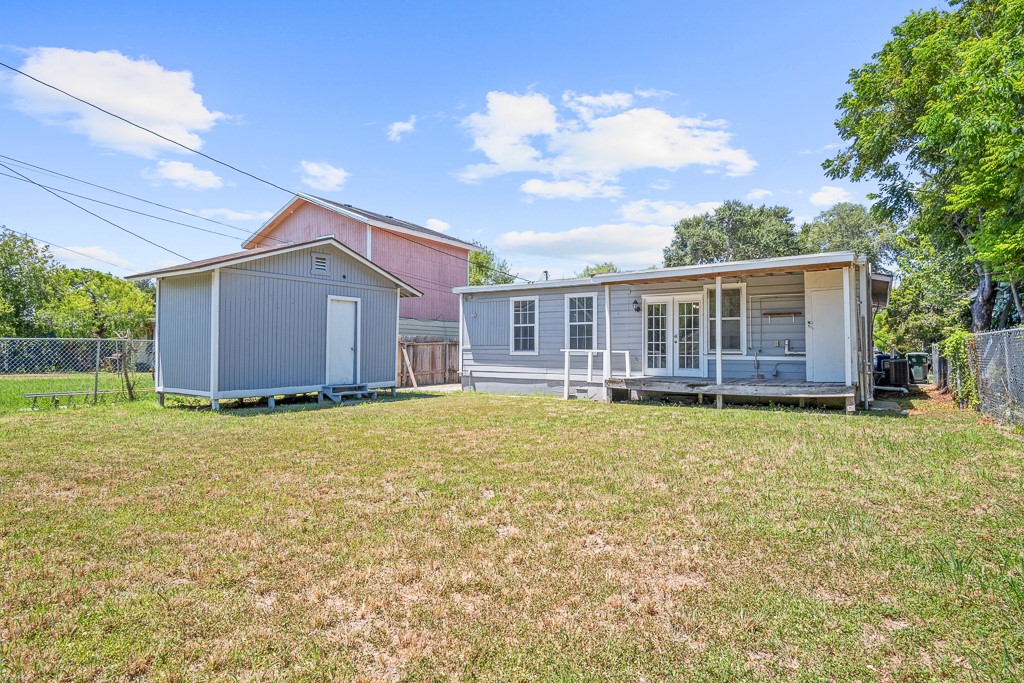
1015 295
984 300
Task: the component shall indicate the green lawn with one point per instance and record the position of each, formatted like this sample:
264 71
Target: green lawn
509 538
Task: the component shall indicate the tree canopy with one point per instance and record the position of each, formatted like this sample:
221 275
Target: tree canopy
39 297
732 232
25 284
598 269
95 304
849 227
935 118
485 268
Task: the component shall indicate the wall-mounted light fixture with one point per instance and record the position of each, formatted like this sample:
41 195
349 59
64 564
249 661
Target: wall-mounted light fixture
636 306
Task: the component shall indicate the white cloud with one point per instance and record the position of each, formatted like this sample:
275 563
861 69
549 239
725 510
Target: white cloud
503 133
758 193
320 175
662 184
399 128
829 195
569 189
86 255
663 213
592 141
437 224
232 215
626 244
138 89
184 175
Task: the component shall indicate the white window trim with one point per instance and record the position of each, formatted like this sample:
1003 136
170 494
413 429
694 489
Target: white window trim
707 318
593 297
512 325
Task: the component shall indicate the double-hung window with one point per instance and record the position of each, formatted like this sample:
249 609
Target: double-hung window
579 321
523 324
732 319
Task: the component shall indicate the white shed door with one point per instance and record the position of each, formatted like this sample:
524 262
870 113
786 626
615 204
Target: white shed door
341 341
825 336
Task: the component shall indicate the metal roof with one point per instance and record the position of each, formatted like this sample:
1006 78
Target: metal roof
836 259
377 220
263 252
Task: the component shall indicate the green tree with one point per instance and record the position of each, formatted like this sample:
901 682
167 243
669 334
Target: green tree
934 118
931 300
95 304
25 283
734 231
598 269
849 227
485 268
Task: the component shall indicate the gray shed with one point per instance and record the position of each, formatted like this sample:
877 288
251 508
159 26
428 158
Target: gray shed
309 317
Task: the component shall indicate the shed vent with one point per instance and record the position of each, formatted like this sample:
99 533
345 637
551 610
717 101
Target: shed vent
320 264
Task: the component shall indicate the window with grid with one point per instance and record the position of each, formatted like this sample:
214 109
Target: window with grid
524 325
732 320
580 322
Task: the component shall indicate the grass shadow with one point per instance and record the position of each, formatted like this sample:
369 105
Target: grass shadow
251 407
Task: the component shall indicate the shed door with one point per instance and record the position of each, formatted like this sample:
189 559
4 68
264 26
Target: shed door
342 355
825 336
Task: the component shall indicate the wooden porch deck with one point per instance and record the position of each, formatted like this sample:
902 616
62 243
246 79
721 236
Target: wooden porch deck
767 388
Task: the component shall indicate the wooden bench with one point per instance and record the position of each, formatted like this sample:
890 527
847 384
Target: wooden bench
57 395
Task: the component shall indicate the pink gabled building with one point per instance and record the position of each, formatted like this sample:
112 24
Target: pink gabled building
429 260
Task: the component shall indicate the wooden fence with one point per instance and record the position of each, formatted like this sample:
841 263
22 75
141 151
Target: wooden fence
426 361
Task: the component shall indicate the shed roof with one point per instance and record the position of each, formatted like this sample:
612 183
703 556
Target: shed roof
364 216
766 266
263 252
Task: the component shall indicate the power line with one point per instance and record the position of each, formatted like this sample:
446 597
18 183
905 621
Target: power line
73 251
91 213
148 130
124 194
222 163
122 208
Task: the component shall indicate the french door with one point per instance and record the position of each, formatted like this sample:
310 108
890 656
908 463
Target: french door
672 336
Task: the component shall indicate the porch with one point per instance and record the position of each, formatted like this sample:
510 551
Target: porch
764 388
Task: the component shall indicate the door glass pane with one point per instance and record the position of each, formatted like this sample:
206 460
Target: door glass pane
689 335
657 336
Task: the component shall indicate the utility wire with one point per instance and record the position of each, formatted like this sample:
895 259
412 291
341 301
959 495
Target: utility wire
124 194
73 251
217 161
123 208
91 213
148 130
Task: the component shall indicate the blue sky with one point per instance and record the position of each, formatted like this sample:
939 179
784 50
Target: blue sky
557 133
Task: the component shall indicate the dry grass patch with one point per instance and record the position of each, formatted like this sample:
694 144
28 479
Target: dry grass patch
506 538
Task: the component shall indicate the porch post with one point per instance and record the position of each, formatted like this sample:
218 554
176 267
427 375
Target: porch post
607 361
215 338
718 330
846 325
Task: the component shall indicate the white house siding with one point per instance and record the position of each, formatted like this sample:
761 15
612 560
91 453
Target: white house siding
488 365
184 329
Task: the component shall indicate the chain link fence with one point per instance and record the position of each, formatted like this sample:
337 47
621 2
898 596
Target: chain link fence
996 367
37 373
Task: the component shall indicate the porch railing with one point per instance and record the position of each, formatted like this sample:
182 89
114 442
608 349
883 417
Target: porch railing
606 356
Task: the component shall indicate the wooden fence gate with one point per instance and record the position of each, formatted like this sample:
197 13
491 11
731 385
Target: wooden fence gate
425 361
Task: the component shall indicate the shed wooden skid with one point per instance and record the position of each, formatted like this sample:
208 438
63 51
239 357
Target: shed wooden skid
792 328
310 317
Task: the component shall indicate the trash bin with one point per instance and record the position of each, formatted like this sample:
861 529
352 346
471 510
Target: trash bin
918 367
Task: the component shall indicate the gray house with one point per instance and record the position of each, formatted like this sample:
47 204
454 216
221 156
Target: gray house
299 318
794 328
